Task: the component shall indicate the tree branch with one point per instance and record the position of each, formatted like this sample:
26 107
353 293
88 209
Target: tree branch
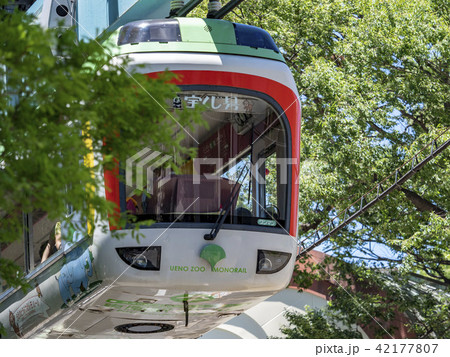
379 259
305 227
383 132
415 120
422 204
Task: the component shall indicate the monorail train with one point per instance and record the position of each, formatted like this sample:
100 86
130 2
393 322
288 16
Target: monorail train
225 229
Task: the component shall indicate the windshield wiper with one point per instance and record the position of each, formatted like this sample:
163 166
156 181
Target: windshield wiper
224 211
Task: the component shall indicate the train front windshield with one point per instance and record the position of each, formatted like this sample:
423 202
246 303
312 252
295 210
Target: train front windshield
240 165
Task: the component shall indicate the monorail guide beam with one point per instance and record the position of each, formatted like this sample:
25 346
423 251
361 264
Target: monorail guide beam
228 7
191 5
187 8
380 195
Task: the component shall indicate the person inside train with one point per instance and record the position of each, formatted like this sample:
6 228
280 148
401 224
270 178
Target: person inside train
134 205
53 244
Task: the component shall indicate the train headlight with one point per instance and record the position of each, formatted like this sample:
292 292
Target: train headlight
270 261
142 258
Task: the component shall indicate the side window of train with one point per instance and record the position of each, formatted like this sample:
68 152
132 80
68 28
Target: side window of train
13 251
40 239
46 237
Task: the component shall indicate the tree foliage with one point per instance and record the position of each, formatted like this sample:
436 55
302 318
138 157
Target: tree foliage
373 78
315 325
62 100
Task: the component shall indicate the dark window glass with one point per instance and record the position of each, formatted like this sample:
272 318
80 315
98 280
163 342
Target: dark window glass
46 235
15 250
251 36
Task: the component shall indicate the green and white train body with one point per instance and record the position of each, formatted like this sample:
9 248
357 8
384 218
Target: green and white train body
188 272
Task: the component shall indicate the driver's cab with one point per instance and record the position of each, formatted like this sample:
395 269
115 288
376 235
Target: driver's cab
240 164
